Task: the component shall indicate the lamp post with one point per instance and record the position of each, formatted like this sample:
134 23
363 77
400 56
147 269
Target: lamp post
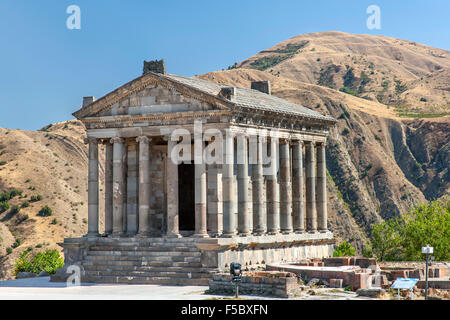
236 273
426 251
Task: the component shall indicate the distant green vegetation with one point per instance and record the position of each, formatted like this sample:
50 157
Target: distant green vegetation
285 53
344 250
348 91
36 198
402 238
46 211
48 261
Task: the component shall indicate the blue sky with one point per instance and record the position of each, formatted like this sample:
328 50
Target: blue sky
46 68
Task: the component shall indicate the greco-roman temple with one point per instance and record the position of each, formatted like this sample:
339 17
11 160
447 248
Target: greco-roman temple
171 216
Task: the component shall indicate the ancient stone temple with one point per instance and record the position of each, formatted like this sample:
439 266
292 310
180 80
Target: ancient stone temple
174 210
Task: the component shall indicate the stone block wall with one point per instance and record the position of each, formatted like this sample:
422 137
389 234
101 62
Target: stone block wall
279 284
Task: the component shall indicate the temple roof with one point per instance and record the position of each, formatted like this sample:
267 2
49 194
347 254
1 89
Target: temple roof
250 98
243 97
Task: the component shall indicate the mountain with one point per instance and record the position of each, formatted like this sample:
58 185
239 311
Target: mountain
388 151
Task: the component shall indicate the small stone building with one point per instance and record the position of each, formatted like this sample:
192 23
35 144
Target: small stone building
168 221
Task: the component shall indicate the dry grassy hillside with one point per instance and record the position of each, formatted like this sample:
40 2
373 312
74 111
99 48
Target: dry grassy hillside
51 163
405 74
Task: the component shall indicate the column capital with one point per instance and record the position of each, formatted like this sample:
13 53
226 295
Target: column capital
117 140
284 140
143 139
297 142
309 143
91 140
105 141
321 144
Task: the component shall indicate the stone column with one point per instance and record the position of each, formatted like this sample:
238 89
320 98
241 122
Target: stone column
259 202
173 230
108 187
285 188
311 214
132 184
119 157
297 186
242 178
93 187
200 197
144 186
321 188
273 196
229 223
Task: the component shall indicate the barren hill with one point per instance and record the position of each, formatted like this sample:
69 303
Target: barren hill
380 162
51 163
400 73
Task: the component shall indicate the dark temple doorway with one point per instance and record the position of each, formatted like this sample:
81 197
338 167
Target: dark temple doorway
186 194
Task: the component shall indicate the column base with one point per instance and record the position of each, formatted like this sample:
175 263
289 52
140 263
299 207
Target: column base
92 235
286 231
228 235
299 231
173 235
273 233
201 235
323 231
117 234
259 233
143 234
312 231
244 234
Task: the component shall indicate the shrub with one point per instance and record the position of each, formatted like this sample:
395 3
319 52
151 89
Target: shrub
46 211
15 209
36 198
344 250
54 221
4 205
14 192
9 250
26 204
48 261
17 243
345 131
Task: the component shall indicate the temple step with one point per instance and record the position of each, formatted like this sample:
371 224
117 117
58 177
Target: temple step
172 274
143 249
137 263
114 267
146 280
142 253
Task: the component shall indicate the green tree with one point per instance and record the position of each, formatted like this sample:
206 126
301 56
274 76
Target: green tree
386 240
427 224
344 250
403 238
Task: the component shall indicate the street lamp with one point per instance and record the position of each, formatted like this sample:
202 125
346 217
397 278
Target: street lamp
236 273
426 251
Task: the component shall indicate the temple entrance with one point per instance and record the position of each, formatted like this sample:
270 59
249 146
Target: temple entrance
186 194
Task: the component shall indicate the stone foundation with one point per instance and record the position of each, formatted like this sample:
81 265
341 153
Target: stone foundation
280 284
202 256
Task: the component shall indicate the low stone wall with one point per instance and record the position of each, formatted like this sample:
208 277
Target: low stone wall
435 283
279 284
352 276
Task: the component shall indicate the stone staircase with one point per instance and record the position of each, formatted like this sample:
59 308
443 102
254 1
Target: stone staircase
163 262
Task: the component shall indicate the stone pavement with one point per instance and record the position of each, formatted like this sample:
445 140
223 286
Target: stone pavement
43 289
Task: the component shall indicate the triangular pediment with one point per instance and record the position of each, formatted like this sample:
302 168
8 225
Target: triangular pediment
153 94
